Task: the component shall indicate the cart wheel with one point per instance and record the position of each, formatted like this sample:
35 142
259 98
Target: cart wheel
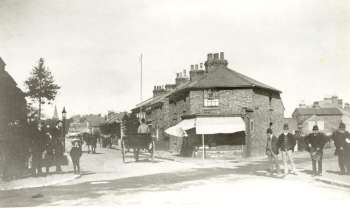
123 150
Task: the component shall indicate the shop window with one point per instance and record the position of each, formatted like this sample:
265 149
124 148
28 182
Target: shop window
211 98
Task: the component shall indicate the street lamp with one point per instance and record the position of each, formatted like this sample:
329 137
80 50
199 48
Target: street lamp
64 115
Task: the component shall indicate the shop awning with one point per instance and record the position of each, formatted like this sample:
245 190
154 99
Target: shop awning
219 125
178 129
208 125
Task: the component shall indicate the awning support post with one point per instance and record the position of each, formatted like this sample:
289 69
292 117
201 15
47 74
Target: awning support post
203 152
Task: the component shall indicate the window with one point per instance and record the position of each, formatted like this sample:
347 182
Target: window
251 125
211 98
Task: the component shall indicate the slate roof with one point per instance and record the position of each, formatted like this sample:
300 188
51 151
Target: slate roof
225 77
318 111
222 77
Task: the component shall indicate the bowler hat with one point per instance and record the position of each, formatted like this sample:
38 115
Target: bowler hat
269 131
342 125
315 128
285 127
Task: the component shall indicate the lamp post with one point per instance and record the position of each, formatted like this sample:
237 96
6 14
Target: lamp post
64 115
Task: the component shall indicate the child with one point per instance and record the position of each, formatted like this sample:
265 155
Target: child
75 154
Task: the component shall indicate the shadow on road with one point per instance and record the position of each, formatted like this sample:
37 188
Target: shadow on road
95 189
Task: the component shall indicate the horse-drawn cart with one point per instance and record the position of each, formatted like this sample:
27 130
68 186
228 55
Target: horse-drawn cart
137 142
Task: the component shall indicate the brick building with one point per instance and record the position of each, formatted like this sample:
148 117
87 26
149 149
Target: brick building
12 99
215 90
327 119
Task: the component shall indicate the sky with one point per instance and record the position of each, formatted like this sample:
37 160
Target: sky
93 47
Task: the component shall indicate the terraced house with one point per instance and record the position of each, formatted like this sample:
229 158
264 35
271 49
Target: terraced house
231 109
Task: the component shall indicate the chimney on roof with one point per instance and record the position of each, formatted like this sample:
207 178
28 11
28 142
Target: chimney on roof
192 67
181 79
196 74
347 106
316 104
158 90
215 62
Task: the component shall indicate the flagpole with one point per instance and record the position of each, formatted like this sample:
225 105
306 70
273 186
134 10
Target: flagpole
141 87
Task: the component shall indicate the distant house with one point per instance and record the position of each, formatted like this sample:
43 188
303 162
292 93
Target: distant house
327 119
215 95
292 124
12 99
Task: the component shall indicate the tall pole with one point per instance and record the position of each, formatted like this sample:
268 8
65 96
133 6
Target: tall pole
141 78
140 86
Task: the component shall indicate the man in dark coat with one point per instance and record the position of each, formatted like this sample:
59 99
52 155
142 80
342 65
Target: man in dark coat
286 143
38 147
272 150
315 143
341 139
57 143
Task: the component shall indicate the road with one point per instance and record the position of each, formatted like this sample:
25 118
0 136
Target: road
107 181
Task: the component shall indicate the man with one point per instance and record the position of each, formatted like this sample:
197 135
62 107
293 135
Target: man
341 140
272 150
315 143
57 133
143 129
286 143
38 147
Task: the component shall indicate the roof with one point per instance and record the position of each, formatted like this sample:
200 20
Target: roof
292 123
117 117
318 111
227 78
221 77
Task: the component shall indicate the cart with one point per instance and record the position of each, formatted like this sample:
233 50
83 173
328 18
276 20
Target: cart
137 142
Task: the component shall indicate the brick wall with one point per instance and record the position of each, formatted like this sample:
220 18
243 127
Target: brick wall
263 114
230 102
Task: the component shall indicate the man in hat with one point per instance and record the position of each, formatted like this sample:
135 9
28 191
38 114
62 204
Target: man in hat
341 139
272 150
286 143
315 143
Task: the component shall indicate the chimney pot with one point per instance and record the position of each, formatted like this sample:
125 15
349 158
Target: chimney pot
222 55
216 56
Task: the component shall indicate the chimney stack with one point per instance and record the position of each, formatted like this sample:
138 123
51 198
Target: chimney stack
196 73
216 56
215 61
222 56
192 67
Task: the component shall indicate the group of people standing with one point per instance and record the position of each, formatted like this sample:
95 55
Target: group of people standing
285 144
27 147
47 148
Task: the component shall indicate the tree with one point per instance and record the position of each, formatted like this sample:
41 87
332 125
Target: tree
40 85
